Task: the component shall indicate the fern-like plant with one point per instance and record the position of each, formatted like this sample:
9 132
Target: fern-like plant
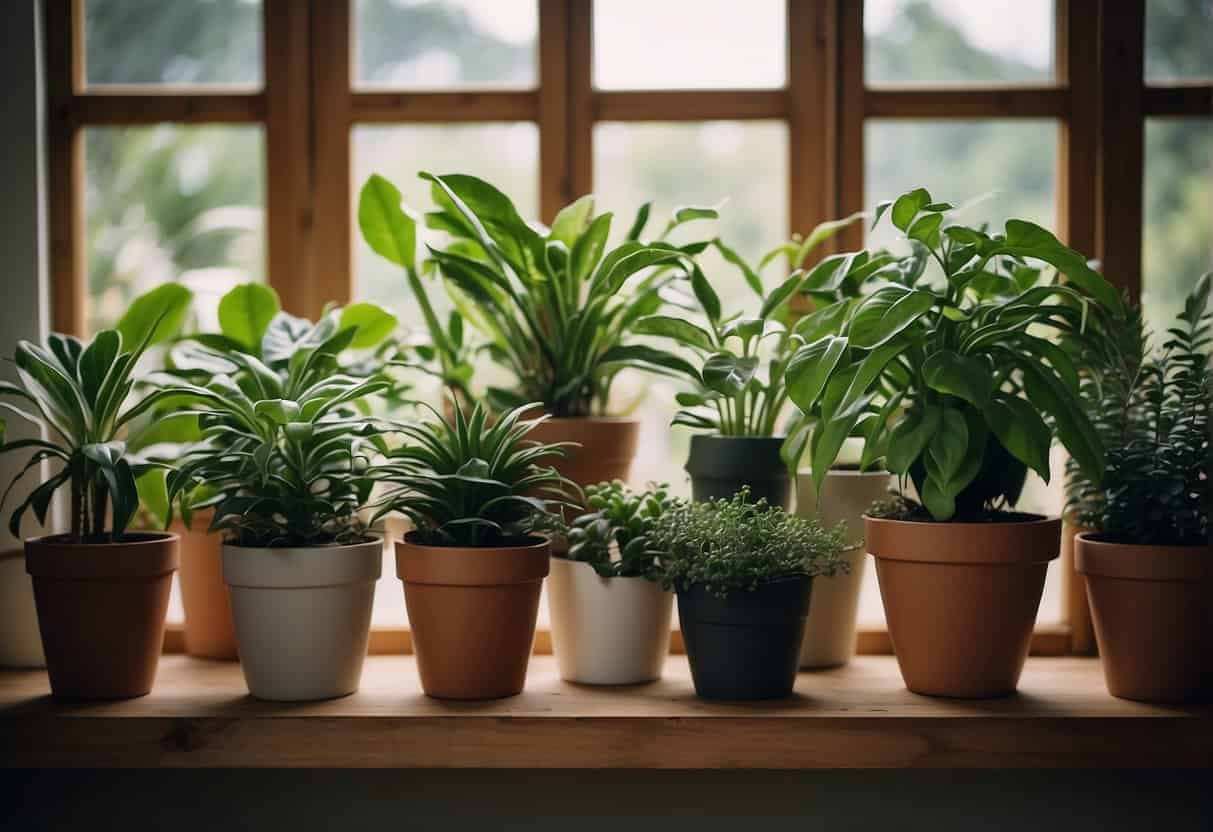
1151 411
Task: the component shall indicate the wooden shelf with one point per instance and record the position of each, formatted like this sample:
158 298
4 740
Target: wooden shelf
855 717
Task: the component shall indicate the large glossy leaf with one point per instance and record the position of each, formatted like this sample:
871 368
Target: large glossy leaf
780 294
1046 393
1021 431
155 316
965 376
947 449
285 335
885 313
245 313
387 228
907 206
910 436
810 369
96 361
682 331
373 324
587 250
572 221
640 354
1026 239
496 215
827 320
729 374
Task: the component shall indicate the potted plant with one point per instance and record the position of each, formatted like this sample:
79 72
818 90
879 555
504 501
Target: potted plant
1148 562
948 377
738 396
101 591
474 564
287 462
556 306
743 572
610 615
251 323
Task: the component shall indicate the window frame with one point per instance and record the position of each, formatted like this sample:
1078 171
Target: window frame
309 105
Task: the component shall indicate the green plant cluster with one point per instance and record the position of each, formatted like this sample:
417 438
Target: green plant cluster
735 545
471 481
619 521
1151 411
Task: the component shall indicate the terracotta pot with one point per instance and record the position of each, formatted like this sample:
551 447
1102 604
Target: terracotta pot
20 642
961 599
721 465
472 615
101 610
829 636
1152 607
303 617
607 447
209 631
607 631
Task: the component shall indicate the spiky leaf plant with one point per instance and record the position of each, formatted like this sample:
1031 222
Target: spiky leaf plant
1151 409
614 534
471 482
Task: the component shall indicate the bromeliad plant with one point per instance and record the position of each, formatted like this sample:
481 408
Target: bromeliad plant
81 398
736 545
285 457
951 377
619 521
468 483
1151 410
556 306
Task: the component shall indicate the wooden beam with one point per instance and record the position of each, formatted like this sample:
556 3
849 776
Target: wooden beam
1121 161
402 107
690 105
157 106
810 99
849 137
970 102
581 97
555 154
1194 99
64 35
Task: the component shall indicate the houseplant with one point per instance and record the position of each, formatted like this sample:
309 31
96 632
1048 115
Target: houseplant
610 615
101 592
286 460
743 572
251 323
474 564
555 305
949 377
1148 563
738 397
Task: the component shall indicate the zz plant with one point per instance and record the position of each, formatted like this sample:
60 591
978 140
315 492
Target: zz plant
556 305
1151 409
948 373
472 482
618 520
81 396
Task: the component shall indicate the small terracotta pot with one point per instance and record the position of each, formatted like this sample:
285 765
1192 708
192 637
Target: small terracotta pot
1152 607
961 599
607 447
829 634
101 610
472 615
209 631
607 631
303 617
20 643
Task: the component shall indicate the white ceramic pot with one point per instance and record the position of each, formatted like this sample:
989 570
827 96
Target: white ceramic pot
607 631
20 642
829 639
303 617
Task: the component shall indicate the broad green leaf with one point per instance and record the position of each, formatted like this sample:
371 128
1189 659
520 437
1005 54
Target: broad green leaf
709 301
1046 393
1026 239
95 363
684 332
153 494
820 233
910 437
947 448
587 250
925 228
1021 431
907 206
745 328
245 313
780 294
825 321
385 224
572 221
885 313
728 374
285 336
810 369
689 213
959 375
372 322
278 411
752 278
104 454
155 316
640 354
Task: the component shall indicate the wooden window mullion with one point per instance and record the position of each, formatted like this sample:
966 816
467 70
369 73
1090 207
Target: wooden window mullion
849 133
811 54
581 97
65 165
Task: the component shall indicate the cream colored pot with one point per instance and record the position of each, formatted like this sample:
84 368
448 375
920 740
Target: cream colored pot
20 643
829 639
607 631
303 617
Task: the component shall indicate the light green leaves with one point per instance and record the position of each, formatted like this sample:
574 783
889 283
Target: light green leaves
885 313
372 322
155 316
907 206
689 213
572 221
245 313
387 228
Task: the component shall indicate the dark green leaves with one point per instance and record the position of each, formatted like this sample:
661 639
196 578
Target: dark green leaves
709 301
969 378
728 374
1021 431
682 331
885 313
810 368
910 437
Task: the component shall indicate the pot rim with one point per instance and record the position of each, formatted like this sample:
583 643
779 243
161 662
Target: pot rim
472 566
141 555
327 547
1013 543
1141 561
582 563
262 567
720 437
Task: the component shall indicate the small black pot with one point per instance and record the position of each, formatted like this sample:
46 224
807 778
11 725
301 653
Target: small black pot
747 644
720 465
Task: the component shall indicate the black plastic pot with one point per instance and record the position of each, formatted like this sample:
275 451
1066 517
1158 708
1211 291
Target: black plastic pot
720 465
747 644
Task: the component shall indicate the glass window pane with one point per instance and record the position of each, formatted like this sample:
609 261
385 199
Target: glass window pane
1178 38
689 44
1178 243
994 170
439 44
183 42
958 41
666 163
172 203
